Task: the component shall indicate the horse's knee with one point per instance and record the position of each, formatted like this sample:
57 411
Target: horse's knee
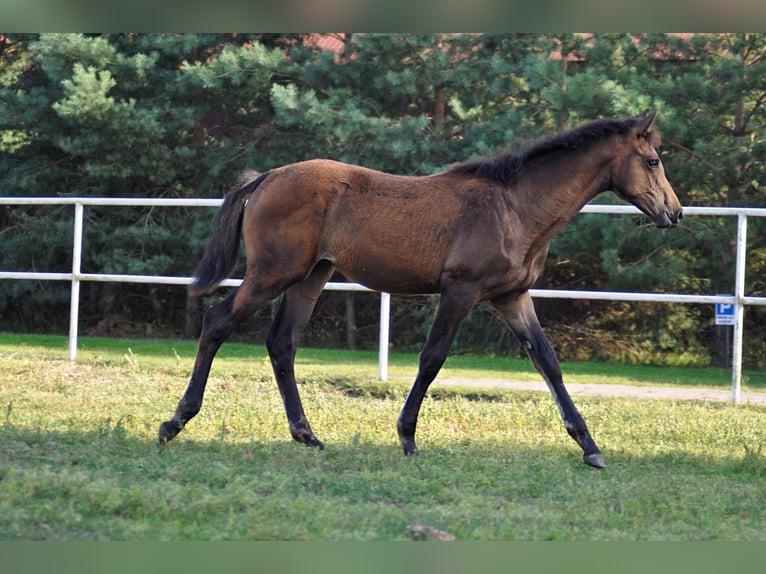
280 345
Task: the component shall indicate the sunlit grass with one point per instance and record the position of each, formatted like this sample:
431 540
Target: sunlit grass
79 457
178 356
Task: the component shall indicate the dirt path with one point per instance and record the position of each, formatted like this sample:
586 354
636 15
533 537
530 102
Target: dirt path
586 389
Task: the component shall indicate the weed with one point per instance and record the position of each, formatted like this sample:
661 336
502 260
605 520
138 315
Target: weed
131 360
754 459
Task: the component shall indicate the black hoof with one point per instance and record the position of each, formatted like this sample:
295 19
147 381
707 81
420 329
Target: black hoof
408 446
168 431
305 436
315 442
595 460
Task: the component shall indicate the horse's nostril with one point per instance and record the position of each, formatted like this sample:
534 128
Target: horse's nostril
675 216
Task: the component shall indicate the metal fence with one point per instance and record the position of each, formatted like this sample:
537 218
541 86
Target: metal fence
738 300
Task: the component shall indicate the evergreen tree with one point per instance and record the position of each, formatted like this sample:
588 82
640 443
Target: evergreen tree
123 115
178 115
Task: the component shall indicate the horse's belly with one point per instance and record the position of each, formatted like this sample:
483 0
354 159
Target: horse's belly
382 277
398 285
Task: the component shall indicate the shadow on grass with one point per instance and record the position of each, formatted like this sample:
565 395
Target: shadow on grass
114 450
112 483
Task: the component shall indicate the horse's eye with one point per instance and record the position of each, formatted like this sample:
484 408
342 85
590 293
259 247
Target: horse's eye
653 163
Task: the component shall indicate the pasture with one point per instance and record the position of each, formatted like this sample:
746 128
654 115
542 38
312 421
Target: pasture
79 457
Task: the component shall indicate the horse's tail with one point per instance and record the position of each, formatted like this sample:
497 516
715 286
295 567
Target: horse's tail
223 247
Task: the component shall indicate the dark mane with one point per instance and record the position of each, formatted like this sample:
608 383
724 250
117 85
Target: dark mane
506 167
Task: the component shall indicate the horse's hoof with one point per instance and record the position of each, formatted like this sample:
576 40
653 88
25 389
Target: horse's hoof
305 436
315 442
595 460
168 431
409 447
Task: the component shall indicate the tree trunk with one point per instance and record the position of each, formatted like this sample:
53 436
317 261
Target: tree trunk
440 108
350 322
192 319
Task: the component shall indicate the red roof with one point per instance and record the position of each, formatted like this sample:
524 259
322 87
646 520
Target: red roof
335 42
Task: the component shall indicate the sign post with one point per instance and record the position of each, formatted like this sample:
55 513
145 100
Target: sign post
724 314
724 318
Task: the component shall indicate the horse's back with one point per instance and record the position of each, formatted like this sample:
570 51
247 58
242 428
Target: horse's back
390 232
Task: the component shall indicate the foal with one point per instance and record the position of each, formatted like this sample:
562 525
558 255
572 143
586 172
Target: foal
478 231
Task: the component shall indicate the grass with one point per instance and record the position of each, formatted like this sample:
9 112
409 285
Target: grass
161 353
79 457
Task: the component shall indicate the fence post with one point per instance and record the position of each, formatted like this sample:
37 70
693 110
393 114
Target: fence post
76 276
74 305
385 314
739 294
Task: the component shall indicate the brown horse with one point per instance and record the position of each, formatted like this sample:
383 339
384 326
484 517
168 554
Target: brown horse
477 231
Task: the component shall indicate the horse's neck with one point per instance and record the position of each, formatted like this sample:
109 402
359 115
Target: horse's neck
557 188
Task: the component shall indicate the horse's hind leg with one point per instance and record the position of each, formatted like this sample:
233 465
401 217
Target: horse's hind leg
282 344
519 312
219 322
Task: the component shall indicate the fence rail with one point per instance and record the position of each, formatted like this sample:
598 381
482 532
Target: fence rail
738 298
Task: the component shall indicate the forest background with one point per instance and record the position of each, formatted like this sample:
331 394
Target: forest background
181 115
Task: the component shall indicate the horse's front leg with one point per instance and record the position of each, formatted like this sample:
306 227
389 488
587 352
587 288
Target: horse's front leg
519 312
455 303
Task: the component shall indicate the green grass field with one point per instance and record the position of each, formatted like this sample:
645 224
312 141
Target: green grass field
79 457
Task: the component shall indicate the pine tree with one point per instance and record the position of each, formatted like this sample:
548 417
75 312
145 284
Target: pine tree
182 114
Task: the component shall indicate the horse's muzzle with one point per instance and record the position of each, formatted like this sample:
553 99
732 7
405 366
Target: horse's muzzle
667 218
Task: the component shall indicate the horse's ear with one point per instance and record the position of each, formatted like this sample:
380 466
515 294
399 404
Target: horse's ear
645 123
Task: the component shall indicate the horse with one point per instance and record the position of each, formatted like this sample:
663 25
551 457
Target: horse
477 231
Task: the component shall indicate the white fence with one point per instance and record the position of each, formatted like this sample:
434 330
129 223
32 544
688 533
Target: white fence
737 299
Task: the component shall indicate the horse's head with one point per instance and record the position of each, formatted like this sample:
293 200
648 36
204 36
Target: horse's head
639 178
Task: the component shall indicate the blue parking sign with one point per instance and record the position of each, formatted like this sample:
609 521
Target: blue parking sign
724 314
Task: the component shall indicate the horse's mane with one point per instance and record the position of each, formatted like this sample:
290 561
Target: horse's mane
506 167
